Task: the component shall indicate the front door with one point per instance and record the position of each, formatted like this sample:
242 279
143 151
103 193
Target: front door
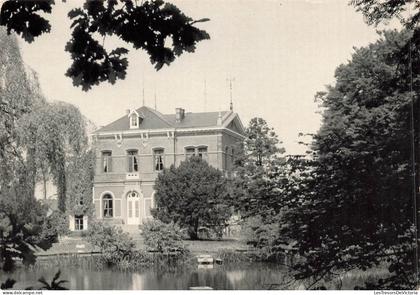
133 208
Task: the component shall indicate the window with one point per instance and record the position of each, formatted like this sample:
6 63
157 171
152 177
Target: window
132 161
189 152
158 159
107 206
202 153
106 161
78 222
133 121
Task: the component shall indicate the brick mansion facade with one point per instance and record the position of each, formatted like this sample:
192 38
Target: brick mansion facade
131 151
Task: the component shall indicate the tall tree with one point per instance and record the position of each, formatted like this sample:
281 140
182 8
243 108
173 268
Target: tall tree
21 216
159 28
192 195
352 208
55 134
259 171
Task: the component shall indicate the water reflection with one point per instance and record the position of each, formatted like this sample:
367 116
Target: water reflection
219 277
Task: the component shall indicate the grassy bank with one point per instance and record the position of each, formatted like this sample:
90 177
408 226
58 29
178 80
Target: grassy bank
78 245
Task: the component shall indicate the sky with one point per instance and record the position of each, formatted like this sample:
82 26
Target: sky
278 53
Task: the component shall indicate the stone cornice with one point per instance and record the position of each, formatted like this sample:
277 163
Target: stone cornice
175 131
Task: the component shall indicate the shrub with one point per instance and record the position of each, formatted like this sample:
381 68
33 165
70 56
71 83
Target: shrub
162 237
116 246
261 236
53 226
232 256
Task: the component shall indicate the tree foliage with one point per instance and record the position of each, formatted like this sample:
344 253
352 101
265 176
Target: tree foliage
56 283
80 172
21 216
36 137
159 28
352 206
115 245
260 234
55 137
376 11
260 171
162 237
54 225
192 195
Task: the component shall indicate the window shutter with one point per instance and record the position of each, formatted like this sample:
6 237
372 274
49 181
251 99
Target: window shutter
71 223
97 208
129 163
135 164
117 208
85 222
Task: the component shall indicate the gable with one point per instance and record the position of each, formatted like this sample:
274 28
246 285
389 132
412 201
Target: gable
236 125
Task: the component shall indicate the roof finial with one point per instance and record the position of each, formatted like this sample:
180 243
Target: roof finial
230 80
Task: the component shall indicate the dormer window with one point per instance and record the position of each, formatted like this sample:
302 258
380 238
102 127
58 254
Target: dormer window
135 119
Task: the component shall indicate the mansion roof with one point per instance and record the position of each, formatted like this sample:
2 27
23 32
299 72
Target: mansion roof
152 119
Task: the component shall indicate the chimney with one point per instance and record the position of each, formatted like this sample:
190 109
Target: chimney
179 114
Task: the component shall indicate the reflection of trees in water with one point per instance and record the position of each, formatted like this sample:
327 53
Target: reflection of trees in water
235 277
261 277
82 279
215 278
222 277
137 281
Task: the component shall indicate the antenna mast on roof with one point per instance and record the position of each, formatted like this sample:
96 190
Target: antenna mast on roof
230 80
155 100
143 91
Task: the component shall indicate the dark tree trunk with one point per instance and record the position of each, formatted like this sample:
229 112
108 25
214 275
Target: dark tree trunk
193 231
31 171
44 181
61 192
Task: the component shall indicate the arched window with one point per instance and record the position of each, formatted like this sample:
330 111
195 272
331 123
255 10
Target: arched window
108 206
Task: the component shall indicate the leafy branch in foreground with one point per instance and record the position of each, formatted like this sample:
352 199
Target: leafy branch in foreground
55 284
159 28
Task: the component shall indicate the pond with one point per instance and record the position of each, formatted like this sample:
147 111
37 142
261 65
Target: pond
245 276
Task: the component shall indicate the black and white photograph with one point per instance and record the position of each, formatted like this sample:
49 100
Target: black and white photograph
209 145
